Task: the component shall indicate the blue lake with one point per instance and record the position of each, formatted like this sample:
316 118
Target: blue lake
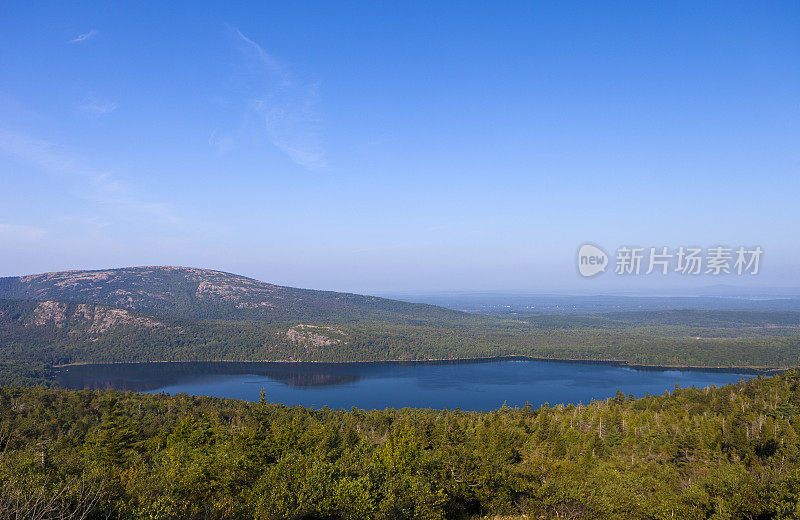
481 385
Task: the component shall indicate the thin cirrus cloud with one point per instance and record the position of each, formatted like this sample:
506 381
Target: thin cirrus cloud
100 188
222 143
85 36
97 107
18 232
286 104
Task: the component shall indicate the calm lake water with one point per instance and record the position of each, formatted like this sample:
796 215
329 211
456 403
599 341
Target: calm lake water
467 385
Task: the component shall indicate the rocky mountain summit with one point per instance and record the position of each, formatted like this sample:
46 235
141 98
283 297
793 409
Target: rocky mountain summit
188 292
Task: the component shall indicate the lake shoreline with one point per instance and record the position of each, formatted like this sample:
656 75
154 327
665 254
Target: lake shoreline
749 370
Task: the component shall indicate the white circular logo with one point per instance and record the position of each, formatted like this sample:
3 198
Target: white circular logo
591 260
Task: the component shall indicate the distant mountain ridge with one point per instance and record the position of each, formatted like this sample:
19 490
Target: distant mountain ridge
194 293
168 313
189 314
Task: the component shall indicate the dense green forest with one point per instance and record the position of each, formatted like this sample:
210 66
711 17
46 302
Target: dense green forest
714 453
730 452
187 314
28 347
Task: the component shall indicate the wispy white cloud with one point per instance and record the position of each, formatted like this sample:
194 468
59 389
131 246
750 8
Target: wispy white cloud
85 36
92 222
91 184
223 143
42 154
17 232
287 106
97 107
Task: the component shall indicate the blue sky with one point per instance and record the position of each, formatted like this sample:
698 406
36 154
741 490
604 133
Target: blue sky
398 146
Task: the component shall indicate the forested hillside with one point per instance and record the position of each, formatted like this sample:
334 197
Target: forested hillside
730 452
53 333
186 314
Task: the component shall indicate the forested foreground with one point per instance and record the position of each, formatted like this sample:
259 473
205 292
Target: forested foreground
728 452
